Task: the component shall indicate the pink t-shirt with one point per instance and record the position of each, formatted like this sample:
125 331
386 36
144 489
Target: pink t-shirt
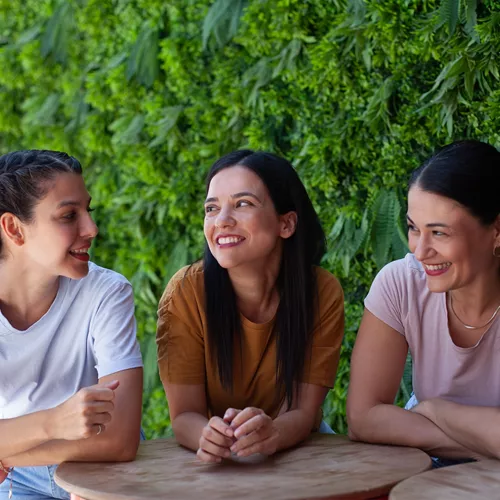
400 298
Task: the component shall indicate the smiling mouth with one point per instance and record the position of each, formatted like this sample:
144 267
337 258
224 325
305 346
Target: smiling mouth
229 240
80 254
437 267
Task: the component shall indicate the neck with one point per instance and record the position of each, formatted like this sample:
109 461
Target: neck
479 299
25 296
255 288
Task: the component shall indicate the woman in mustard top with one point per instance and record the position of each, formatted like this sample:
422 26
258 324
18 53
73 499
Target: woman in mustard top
249 339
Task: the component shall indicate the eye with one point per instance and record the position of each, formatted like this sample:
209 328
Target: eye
412 228
439 233
90 210
210 208
244 203
69 216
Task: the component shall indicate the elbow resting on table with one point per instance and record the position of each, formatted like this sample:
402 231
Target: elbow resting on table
120 450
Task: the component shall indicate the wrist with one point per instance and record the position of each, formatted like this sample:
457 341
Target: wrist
47 424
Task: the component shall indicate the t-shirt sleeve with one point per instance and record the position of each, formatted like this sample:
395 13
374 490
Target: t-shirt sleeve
384 299
328 332
114 331
179 335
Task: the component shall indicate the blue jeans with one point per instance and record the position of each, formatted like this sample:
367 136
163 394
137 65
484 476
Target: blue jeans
35 483
324 428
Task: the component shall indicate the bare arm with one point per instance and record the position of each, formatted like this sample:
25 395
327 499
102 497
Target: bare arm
118 441
188 412
78 417
377 366
474 427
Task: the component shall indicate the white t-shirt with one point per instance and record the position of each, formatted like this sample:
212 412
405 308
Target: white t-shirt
88 332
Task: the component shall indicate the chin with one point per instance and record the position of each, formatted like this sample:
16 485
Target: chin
437 287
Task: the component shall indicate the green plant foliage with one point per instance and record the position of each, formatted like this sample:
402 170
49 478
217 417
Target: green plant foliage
149 93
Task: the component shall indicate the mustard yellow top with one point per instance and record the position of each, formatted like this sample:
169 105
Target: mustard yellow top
184 356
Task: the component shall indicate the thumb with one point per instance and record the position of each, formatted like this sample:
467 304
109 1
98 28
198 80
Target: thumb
110 385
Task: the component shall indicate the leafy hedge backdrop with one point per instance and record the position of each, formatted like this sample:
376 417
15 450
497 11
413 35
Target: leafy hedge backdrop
148 93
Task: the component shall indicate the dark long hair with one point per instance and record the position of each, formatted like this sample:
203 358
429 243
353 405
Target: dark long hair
24 176
296 282
467 172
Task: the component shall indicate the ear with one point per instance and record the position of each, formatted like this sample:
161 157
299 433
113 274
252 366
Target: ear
496 227
288 223
12 228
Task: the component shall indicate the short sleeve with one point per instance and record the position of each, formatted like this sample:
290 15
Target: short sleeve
114 331
328 332
384 299
179 335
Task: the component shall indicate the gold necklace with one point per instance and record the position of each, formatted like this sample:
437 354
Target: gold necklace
469 327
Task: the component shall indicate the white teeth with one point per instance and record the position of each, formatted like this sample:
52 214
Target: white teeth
228 239
79 251
438 266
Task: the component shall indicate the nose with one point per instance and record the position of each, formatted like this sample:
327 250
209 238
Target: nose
423 249
88 228
224 219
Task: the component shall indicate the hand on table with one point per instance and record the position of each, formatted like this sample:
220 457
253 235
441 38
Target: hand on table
85 414
255 432
215 441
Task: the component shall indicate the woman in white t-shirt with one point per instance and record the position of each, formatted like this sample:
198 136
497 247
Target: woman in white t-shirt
70 365
442 302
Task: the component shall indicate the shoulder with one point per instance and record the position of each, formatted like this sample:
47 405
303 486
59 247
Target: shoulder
404 272
327 284
187 282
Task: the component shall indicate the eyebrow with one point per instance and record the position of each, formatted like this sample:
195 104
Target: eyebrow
73 203
236 195
432 224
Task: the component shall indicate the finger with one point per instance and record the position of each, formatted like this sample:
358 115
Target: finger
96 393
101 406
220 426
214 436
206 457
258 447
245 415
214 449
230 414
110 385
100 418
252 424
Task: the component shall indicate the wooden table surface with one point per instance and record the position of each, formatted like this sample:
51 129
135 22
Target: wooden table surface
472 481
324 466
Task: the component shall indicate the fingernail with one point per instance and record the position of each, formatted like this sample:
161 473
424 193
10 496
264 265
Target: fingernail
233 448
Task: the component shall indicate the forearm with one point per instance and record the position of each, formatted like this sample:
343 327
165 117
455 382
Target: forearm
94 449
188 427
389 424
474 427
293 427
23 433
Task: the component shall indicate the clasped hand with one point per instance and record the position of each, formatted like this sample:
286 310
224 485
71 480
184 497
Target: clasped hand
242 432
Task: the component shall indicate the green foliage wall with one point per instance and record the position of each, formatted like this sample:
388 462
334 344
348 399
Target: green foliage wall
148 93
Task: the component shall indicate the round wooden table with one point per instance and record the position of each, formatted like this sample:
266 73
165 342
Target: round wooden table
472 481
324 466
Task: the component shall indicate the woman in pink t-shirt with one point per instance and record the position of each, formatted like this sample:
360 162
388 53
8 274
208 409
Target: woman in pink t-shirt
442 302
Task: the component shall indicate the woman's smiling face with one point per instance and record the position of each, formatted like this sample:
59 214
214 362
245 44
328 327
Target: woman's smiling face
241 223
452 245
62 231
